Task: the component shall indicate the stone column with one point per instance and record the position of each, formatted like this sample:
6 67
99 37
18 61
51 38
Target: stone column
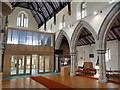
72 72
0 68
0 45
102 66
56 63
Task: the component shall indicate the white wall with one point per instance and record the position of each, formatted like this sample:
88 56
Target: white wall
12 19
113 63
84 51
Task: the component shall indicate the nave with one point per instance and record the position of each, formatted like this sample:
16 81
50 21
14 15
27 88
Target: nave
72 82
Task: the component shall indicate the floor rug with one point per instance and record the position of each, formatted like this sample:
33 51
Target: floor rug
50 84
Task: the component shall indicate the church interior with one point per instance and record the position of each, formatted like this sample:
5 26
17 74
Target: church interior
60 44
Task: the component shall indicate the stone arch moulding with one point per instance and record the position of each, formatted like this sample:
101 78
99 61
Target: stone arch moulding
106 25
78 31
24 13
59 39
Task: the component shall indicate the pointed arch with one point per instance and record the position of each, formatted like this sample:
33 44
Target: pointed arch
106 25
77 33
22 19
61 35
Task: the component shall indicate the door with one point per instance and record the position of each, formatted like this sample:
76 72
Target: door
21 64
13 65
28 64
44 64
34 64
41 64
47 64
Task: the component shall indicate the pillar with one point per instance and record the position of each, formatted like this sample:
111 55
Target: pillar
0 46
56 63
72 71
102 66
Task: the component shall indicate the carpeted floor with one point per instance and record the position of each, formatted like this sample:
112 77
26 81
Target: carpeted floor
50 84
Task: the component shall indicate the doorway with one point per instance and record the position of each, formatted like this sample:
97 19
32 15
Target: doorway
34 64
20 64
29 64
44 64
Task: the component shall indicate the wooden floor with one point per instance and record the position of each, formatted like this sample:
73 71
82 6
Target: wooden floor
81 82
74 82
21 83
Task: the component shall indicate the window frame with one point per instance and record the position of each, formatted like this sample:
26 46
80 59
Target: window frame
22 19
83 9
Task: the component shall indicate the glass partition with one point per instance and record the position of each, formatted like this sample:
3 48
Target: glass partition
21 64
13 65
41 39
51 38
15 38
28 60
29 38
30 64
9 39
41 64
35 38
22 37
34 64
47 41
47 63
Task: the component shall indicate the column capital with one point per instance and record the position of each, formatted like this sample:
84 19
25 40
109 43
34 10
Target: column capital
101 51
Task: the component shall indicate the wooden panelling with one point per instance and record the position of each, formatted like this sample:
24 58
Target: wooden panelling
27 49
7 65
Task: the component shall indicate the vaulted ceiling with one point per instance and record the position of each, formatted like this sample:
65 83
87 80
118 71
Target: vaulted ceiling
115 30
43 10
86 38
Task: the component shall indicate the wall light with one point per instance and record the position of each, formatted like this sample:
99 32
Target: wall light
95 13
68 25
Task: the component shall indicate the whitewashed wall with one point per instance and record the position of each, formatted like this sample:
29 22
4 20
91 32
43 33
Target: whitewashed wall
84 51
113 63
12 19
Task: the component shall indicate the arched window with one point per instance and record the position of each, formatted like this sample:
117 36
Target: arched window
78 12
62 23
111 1
83 9
22 19
63 20
108 55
